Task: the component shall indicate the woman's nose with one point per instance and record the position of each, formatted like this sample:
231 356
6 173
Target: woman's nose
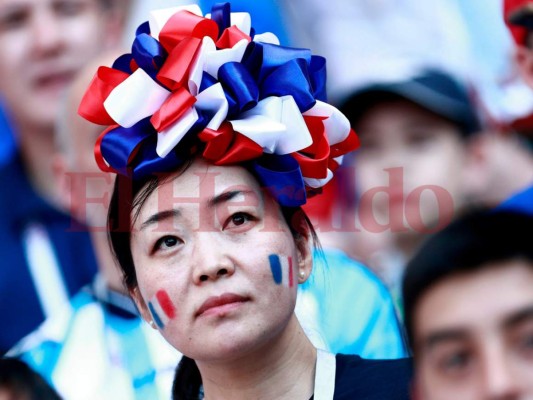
211 260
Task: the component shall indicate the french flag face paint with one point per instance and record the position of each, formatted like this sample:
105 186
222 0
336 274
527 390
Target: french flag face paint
161 308
281 268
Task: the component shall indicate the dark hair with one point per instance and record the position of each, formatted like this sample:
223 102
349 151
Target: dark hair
467 245
24 383
127 199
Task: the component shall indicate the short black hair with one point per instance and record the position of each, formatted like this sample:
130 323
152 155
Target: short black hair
471 243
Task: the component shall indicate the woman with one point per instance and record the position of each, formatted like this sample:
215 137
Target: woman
205 219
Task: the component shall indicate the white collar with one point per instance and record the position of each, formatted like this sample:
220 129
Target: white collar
326 364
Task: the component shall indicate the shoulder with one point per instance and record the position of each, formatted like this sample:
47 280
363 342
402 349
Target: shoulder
49 338
358 378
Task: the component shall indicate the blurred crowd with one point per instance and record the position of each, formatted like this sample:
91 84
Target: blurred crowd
425 230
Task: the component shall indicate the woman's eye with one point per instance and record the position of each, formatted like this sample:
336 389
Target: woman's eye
238 219
166 243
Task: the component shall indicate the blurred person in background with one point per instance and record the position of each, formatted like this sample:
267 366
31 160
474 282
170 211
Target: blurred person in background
468 295
518 15
96 347
19 382
409 175
502 162
46 257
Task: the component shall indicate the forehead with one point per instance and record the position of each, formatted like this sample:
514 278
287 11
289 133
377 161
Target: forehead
400 111
478 301
201 182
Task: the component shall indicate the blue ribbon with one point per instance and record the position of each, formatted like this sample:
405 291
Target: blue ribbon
290 78
221 14
239 86
123 63
282 177
148 54
282 71
143 28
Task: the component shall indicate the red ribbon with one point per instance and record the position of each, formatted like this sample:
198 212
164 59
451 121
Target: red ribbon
92 104
185 24
316 159
100 161
226 146
313 160
175 70
230 37
172 109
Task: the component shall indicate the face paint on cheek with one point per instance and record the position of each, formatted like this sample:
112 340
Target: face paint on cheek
161 308
281 268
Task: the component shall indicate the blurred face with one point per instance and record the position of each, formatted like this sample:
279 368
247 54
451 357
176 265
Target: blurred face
216 263
44 42
474 335
417 156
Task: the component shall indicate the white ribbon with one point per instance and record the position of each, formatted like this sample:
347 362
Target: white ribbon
213 101
138 97
214 58
337 126
317 183
275 124
170 137
267 37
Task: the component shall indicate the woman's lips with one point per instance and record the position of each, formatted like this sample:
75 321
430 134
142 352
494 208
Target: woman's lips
220 304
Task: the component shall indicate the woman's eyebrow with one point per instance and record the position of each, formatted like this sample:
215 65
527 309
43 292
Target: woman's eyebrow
160 216
227 196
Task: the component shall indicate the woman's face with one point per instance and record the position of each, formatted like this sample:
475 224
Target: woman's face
217 265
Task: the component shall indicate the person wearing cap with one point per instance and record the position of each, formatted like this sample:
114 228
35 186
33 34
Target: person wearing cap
216 148
408 178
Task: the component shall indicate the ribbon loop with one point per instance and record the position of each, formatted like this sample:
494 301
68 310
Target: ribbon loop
210 86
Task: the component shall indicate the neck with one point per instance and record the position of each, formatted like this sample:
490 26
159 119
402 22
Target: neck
281 370
37 150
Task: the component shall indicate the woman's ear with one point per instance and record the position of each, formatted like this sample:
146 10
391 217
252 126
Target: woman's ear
136 295
304 243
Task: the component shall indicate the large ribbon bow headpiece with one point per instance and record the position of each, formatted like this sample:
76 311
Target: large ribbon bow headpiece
213 80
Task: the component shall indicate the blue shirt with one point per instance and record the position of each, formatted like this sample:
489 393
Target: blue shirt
45 257
345 308
522 201
98 347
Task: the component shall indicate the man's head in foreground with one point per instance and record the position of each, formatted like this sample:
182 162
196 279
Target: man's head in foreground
468 296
